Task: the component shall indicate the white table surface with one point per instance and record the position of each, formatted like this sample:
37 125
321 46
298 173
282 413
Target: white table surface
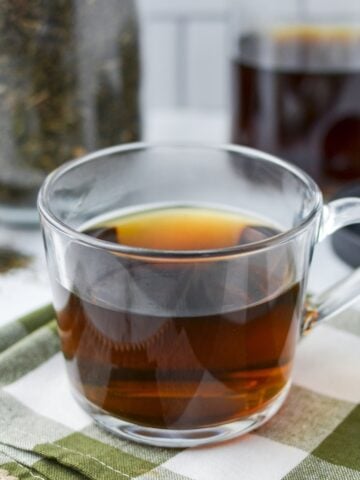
23 290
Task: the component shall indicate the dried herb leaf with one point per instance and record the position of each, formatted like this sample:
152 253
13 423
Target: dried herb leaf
12 259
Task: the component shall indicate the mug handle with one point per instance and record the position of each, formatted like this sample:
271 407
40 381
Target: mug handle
337 214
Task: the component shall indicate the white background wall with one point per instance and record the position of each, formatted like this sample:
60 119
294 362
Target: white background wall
186 45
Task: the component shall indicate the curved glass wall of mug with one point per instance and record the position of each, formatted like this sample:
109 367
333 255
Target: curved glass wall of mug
69 84
178 275
295 78
181 175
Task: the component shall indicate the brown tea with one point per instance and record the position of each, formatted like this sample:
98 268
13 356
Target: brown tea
296 96
180 343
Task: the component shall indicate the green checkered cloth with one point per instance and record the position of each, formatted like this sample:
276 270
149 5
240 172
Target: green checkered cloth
45 435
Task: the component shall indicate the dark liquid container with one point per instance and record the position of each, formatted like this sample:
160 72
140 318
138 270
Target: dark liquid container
203 347
295 94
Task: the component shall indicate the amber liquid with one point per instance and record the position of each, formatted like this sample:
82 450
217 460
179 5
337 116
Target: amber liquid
186 358
296 95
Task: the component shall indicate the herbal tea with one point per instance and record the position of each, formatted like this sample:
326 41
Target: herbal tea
177 342
296 96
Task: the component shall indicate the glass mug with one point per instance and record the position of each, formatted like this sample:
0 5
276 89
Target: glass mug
181 330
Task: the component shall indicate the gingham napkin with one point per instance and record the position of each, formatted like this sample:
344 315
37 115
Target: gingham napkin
45 435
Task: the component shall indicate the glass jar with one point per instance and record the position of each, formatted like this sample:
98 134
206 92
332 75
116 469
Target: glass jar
69 83
296 83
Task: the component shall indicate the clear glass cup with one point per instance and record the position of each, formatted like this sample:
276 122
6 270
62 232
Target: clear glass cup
185 347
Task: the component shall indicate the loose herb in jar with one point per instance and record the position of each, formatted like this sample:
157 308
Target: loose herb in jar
69 84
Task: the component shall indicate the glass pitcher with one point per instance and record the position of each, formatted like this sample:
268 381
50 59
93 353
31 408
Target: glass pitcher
295 84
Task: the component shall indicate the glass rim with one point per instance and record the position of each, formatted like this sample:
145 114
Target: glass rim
46 213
